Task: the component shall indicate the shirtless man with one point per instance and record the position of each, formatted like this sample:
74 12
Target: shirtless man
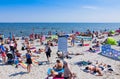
59 65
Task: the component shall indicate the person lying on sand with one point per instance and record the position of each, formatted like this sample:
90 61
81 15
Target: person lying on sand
94 69
92 49
75 53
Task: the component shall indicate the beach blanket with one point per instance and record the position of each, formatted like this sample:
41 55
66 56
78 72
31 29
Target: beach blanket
83 63
43 63
23 65
84 38
83 44
49 71
86 45
34 61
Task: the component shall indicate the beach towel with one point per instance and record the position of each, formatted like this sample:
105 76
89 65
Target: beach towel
49 71
34 61
83 45
43 63
23 65
86 45
83 63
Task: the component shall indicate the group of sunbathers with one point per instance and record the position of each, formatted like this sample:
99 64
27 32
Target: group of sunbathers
98 69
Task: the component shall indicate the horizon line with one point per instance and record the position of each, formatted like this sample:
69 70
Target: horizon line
59 22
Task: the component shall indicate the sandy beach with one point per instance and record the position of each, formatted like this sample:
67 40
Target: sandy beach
59 39
40 71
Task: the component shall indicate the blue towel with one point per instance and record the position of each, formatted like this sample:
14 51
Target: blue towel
49 71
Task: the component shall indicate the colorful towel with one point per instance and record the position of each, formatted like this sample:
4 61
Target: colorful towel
49 71
23 65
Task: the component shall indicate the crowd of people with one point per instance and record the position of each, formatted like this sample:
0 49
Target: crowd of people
10 45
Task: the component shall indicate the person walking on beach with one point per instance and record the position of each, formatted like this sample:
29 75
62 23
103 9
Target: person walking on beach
48 51
29 60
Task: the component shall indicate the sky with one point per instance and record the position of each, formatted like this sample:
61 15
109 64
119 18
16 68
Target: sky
59 10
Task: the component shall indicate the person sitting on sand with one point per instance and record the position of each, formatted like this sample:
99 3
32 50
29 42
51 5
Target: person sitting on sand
37 51
95 47
94 69
18 54
58 66
97 44
82 42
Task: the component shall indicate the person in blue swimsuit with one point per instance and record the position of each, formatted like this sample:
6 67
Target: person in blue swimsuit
29 60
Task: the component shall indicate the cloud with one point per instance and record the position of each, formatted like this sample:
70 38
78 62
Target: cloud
90 7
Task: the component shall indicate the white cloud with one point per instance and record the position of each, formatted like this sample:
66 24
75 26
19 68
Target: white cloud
90 7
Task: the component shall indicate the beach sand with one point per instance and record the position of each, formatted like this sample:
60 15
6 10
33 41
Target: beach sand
40 71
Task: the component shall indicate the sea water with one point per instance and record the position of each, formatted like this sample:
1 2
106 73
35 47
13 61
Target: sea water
20 29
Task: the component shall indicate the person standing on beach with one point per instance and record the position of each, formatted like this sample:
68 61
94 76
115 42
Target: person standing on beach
29 60
73 40
3 53
48 51
68 74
